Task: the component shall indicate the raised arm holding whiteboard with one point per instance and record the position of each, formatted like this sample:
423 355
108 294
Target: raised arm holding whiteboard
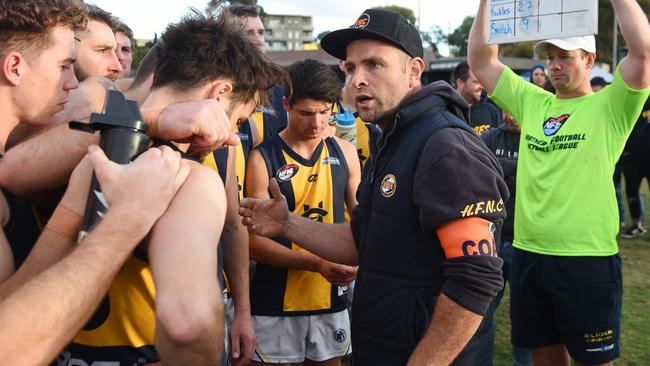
565 279
526 20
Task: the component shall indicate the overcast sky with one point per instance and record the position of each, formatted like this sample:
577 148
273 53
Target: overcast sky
147 17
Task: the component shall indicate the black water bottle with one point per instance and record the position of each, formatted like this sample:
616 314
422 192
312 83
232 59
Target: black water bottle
123 136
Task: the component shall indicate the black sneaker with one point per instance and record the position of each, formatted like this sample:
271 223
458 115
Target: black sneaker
633 232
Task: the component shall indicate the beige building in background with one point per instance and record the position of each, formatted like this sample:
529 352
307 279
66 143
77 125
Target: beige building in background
288 32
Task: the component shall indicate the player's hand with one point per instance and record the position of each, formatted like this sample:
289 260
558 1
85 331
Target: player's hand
266 217
202 123
144 187
337 274
242 341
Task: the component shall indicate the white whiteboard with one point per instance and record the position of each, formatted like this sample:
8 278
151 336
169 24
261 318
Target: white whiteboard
527 20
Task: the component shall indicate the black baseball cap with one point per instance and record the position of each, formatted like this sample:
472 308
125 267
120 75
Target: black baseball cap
598 81
383 25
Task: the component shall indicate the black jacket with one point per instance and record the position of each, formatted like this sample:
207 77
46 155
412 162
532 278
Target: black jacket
429 169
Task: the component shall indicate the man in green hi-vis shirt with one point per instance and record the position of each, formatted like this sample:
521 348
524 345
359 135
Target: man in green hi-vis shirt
566 287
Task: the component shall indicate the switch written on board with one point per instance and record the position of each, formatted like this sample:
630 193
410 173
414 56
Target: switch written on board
527 20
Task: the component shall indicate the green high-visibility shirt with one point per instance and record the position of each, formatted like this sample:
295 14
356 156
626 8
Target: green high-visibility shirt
566 204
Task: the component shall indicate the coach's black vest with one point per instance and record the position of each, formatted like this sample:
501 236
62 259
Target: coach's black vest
400 267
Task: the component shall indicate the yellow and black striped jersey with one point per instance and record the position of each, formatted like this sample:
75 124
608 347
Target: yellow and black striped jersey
314 188
262 124
121 332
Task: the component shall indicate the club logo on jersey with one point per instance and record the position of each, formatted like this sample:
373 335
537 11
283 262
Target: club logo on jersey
388 185
553 124
362 22
331 160
340 335
287 172
314 213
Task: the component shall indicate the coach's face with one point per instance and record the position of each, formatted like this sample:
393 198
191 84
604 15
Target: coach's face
380 77
47 79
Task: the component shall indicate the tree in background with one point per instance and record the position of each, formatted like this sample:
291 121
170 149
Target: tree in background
140 51
433 38
321 35
605 35
429 39
457 40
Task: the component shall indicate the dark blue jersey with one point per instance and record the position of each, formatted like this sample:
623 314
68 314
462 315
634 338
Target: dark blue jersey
505 146
22 229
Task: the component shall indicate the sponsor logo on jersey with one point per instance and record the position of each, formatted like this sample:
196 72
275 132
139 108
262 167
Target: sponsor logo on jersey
331 160
314 213
553 124
287 172
388 185
362 22
340 335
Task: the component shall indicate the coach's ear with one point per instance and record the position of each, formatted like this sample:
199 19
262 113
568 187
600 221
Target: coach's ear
13 65
219 89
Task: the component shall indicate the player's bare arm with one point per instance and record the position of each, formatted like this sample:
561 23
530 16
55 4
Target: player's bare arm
183 257
234 239
268 251
483 58
635 67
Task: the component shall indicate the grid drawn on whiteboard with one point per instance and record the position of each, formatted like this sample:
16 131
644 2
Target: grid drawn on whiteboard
525 20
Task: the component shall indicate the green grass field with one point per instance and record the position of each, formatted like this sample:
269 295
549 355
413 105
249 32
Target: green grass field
635 334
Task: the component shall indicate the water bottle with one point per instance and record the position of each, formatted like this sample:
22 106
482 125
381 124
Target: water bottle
123 136
346 126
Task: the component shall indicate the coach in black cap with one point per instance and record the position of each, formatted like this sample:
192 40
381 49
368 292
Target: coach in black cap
430 203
